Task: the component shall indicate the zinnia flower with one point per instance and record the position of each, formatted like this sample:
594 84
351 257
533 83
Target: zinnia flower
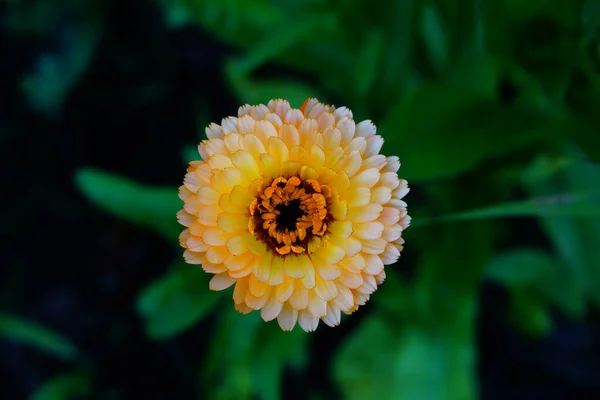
296 208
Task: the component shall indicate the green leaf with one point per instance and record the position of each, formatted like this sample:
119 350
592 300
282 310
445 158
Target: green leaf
529 314
57 72
368 62
434 34
72 385
585 204
146 206
520 268
32 334
239 22
443 131
275 351
536 278
260 92
378 361
176 301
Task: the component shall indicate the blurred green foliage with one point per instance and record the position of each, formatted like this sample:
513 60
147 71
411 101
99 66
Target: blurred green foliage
492 108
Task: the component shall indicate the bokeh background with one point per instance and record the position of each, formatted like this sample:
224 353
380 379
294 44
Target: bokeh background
491 105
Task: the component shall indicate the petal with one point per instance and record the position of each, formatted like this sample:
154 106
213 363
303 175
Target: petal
271 309
333 316
307 321
367 178
368 230
292 266
316 305
287 317
246 163
221 282
276 276
285 290
299 298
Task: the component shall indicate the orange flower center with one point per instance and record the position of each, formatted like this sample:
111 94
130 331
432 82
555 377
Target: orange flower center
288 212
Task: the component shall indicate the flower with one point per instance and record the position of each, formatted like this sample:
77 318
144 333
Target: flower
296 208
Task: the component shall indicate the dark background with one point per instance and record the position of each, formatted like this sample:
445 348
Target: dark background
154 76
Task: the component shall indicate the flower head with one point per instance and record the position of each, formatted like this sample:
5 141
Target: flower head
296 208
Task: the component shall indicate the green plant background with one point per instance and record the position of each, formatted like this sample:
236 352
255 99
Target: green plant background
492 107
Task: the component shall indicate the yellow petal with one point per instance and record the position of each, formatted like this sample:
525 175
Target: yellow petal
285 290
236 263
232 222
292 267
257 288
316 305
246 163
239 244
299 298
276 276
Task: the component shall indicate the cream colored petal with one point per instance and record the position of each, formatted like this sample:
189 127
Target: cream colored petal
390 255
344 300
307 321
185 218
351 279
392 233
214 131
378 161
389 179
211 268
374 264
374 246
245 124
325 289
367 178
192 257
259 111
208 196
229 125
365 129
287 317
289 134
389 216
271 309
217 254
215 237
294 117
368 230
347 127
393 164
221 282
333 316
370 212
381 195
374 144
